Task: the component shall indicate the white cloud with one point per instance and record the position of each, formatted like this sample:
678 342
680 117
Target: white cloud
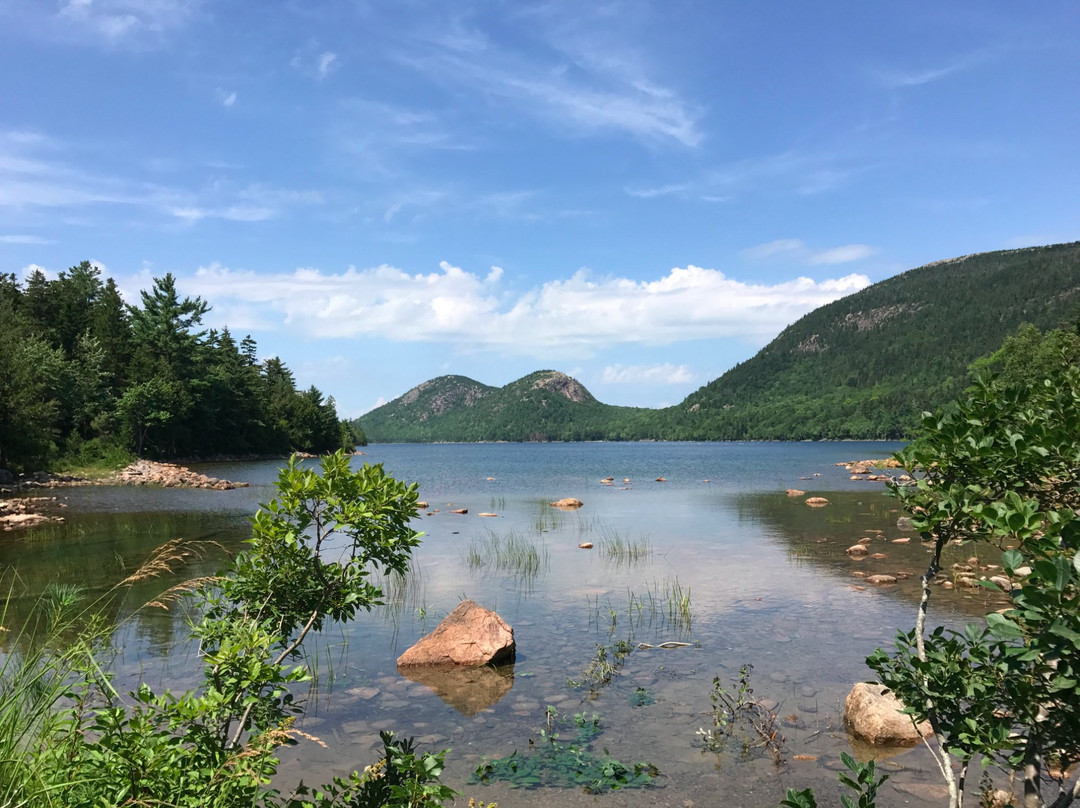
797 250
914 78
315 63
115 21
31 268
780 246
664 190
232 213
326 64
227 99
578 314
843 255
24 239
600 94
647 374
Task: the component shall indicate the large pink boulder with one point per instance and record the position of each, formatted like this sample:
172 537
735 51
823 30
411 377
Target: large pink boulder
874 714
470 635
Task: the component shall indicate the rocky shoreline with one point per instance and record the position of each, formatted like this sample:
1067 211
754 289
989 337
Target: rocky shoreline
27 511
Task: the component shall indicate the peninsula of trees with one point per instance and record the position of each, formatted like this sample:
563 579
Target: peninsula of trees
85 378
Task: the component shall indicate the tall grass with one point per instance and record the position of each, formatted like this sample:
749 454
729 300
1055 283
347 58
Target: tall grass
664 606
623 551
511 553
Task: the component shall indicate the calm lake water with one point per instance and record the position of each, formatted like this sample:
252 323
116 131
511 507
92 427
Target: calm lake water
723 560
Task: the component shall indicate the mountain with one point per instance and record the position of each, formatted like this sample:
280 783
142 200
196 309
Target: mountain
866 365
863 366
543 406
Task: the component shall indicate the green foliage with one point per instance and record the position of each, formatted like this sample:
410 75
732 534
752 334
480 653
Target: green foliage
76 741
1002 467
861 778
401 778
554 763
867 365
79 367
864 366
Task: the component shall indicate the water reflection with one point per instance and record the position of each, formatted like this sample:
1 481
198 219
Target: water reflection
467 690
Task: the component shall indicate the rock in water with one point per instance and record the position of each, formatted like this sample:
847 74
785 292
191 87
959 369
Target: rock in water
874 714
470 635
567 504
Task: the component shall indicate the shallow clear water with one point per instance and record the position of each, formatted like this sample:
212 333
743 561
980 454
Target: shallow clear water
767 580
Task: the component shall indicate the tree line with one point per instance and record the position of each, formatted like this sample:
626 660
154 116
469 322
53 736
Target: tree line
86 378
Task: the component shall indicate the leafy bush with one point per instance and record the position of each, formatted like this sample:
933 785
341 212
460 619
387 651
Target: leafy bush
68 737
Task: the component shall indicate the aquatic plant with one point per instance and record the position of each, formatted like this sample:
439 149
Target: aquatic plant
511 553
622 550
604 666
740 721
554 763
664 605
641 698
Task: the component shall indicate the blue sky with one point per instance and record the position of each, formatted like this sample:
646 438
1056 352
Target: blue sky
639 194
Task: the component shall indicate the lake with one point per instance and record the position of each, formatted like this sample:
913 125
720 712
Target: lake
716 558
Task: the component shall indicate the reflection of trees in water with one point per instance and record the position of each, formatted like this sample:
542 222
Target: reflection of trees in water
93 553
819 538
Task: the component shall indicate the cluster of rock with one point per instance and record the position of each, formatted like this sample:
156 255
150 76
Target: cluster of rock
10 483
871 470
27 512
168 475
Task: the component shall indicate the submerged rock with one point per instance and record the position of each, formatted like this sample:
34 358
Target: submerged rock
567 504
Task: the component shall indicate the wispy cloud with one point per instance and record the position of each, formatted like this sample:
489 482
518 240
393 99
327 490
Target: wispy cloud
895 79
780 246
573 315
647 374
797 250
24 239
112 22
226 99
314 62
663 190
579 91
34 174
843 255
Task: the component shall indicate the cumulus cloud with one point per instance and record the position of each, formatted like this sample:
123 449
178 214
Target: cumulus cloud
647 374
577 314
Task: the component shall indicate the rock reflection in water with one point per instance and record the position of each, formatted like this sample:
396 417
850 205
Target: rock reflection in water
467 690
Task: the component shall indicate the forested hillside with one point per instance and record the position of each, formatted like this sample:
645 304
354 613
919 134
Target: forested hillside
864 366
84 376
543 406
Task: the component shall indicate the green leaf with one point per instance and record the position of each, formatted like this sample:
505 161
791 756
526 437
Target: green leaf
1002 627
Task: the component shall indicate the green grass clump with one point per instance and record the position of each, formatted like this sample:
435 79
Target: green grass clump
511 553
